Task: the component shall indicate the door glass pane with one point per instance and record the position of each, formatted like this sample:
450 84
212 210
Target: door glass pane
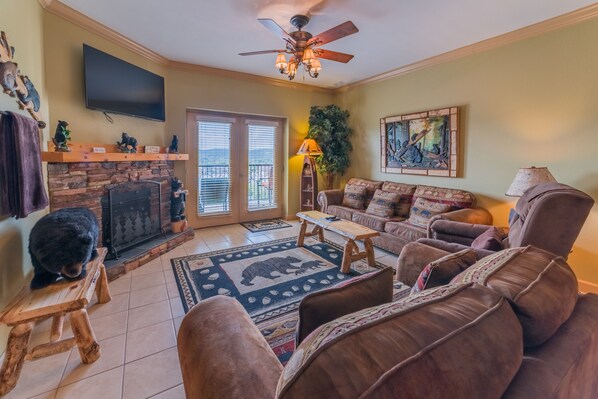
261 170
214 177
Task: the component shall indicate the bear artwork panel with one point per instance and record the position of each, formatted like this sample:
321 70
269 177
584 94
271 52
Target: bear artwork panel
265 268
61 243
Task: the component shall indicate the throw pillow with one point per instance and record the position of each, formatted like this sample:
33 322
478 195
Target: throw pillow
383 204
354 196
443 270
491 239
361 292
423 210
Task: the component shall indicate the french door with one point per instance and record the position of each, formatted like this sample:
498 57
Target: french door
235 168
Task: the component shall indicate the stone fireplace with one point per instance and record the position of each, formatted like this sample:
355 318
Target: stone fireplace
131 201
131 215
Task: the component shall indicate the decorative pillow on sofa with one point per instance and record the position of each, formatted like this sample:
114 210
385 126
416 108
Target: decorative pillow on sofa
423 210
386 350
540 286
491 239
443 270
383 204
354 196
350 296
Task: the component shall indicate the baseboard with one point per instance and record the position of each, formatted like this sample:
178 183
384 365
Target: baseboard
290 217
586 287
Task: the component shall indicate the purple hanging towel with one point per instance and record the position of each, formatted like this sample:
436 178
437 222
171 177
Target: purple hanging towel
22 189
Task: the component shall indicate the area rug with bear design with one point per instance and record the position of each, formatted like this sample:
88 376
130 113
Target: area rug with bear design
269 280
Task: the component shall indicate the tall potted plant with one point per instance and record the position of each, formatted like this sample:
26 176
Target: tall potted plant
328 126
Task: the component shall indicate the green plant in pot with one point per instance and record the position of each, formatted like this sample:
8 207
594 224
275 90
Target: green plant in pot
328 126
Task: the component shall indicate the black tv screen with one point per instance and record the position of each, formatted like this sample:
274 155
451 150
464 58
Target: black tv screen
115 86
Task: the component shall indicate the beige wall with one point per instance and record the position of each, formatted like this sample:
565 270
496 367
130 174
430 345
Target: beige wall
534 102
193 90
63 46
184 89
27 39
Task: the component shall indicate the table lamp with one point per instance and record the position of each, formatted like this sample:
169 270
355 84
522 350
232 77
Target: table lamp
527 178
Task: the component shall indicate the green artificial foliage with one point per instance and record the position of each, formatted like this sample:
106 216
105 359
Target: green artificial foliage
67 133
328 126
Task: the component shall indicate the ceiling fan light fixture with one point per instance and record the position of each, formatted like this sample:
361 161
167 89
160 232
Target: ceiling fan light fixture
315 68
308 56
292 68
303 47
281 62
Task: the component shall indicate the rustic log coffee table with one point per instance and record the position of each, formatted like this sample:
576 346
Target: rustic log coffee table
349 230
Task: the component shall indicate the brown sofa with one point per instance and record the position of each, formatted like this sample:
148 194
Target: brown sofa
396 231
512 325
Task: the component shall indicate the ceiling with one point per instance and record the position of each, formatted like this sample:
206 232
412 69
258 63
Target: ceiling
392 33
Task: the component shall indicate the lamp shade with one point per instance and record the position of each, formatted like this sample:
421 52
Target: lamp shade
281 62
310 147
527 178
315 66
308 56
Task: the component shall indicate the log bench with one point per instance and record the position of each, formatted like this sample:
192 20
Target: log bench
55 301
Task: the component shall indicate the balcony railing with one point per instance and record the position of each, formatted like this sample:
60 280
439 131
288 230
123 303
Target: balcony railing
214 188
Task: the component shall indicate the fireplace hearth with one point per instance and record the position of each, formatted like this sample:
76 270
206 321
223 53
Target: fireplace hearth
131 215
87 184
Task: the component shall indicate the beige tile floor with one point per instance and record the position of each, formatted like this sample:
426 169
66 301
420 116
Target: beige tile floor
137 330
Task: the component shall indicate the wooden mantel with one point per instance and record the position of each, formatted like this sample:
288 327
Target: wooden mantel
83 152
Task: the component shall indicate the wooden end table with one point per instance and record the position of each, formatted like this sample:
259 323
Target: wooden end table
55 301
349 230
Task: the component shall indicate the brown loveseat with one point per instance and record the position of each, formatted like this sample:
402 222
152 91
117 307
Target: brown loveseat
512 325
397 230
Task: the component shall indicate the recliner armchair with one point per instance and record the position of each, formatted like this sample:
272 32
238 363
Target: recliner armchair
548 216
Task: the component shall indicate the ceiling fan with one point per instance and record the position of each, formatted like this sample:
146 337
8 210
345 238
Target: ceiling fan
304 47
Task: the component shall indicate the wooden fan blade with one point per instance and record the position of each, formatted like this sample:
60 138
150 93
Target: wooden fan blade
273 27
262 52
340 31
333 55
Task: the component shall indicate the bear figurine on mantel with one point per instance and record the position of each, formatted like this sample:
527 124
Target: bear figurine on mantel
127 143
61 137
174 145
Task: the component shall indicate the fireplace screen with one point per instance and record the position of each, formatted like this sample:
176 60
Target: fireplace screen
131 215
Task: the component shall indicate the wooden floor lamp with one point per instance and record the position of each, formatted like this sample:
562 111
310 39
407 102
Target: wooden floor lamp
309 175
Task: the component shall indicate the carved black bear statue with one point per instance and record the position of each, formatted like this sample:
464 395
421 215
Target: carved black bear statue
61 137
178 197
174 146
127 143
61 244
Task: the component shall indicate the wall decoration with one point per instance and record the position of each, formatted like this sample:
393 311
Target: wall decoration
16 84
422 143
152 149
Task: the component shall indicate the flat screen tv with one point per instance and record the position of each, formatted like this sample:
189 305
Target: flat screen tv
115 86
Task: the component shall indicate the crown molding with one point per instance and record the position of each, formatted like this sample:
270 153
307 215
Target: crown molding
62 10
583 14
549 25
247 77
